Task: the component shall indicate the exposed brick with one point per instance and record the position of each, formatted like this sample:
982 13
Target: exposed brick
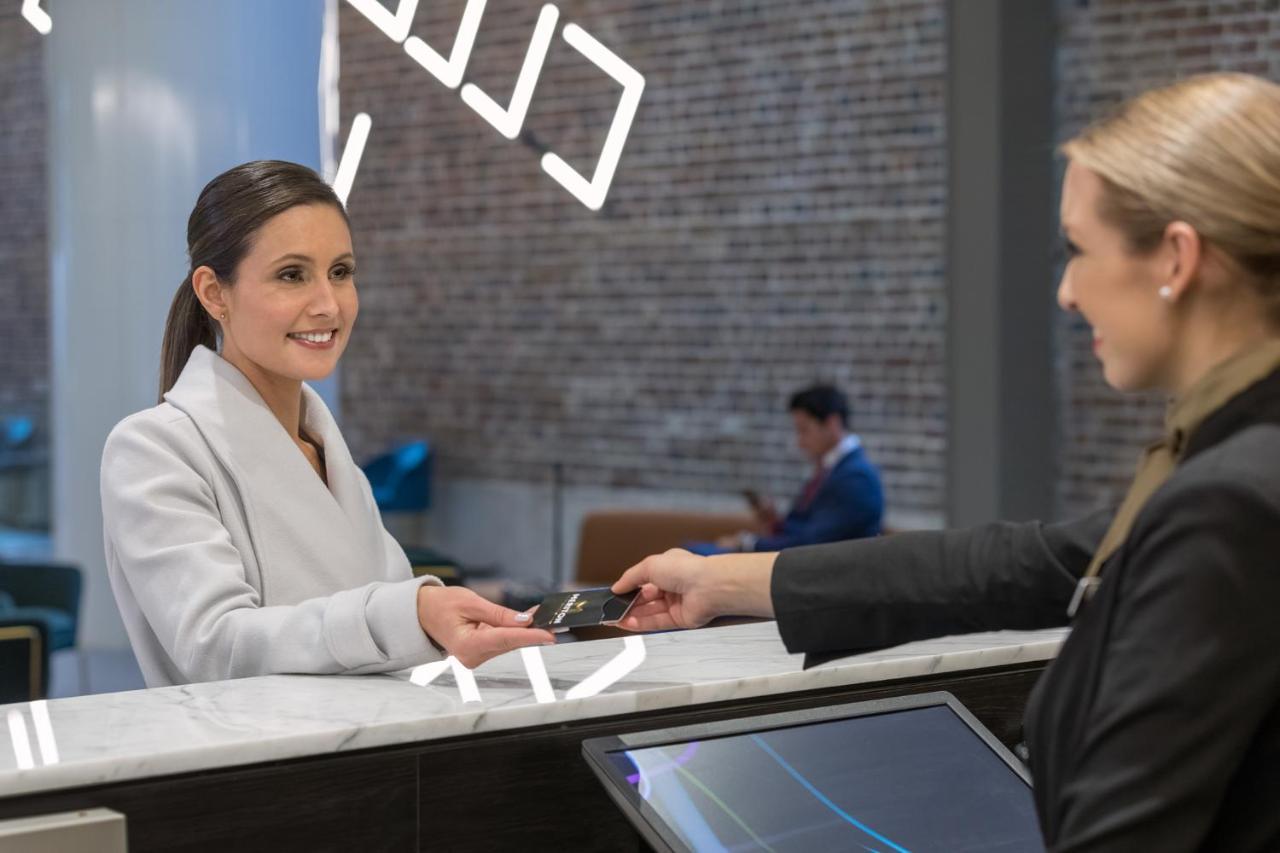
24 312
777 217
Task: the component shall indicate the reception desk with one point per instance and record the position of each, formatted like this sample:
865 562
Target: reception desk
387 762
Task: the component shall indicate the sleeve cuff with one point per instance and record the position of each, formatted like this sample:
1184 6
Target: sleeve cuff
790 629
392 616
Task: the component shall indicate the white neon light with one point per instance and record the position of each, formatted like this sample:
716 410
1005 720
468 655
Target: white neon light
463 677
395 26
449 72
631 656
37 17
351 155
509 121
537 671
592 193
44 732
21 745
425 674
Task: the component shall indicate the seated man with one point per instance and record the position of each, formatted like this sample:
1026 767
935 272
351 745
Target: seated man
842 500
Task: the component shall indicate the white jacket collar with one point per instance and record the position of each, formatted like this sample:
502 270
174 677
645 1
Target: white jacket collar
250 442
843 448
215 394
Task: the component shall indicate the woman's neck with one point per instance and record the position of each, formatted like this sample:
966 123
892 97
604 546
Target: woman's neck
1218 321
1203 354
283 396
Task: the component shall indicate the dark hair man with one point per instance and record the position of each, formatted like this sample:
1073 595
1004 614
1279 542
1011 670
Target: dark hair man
843 498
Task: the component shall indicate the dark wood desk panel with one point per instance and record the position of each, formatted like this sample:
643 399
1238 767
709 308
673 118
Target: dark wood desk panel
346 803
532 790
527 789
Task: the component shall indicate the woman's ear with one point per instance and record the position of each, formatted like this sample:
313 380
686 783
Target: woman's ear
209 291
1184 255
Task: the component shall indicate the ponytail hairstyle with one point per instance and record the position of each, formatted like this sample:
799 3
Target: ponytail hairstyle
1206 151
220 232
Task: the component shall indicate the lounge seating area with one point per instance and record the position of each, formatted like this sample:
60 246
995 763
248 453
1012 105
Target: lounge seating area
613 540
39 615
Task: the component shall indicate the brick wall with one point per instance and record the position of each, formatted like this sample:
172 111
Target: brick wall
1110 50
777 218
24 315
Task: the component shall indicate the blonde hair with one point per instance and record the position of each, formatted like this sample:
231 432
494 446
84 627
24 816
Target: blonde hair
1205 151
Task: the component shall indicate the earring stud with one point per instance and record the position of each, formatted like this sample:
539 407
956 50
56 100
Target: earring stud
1166 293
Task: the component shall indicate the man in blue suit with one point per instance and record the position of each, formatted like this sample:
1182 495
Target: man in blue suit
842 500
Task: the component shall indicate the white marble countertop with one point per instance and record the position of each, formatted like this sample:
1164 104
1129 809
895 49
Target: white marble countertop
92 740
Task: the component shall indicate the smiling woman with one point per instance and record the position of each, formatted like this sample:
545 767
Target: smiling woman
1173 246
292 320
241 537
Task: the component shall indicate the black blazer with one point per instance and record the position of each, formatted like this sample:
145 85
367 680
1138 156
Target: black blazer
1158 725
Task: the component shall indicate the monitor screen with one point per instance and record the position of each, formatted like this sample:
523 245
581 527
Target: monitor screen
918 780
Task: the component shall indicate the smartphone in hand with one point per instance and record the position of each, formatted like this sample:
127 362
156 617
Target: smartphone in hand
561 611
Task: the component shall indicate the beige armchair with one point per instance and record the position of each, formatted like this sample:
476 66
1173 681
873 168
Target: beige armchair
612 541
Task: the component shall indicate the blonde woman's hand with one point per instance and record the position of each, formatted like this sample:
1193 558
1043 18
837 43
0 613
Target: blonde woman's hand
682 590
474 629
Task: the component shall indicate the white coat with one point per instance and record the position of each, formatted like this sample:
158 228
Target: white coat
227 554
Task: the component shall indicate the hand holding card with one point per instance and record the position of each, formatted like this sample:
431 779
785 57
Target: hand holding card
561 611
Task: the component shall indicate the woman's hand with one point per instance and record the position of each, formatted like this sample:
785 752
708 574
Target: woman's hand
471 628
682 590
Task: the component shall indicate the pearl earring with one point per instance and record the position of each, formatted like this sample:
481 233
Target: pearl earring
224 316
1166 293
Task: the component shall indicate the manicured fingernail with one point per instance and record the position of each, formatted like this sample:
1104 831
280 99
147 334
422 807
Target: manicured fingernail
522 617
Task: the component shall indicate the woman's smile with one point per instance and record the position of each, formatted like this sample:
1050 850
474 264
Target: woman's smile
317 340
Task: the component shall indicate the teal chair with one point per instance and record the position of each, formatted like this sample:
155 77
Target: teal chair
47 594
401 482
401 478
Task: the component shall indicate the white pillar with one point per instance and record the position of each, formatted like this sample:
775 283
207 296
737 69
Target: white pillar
148 100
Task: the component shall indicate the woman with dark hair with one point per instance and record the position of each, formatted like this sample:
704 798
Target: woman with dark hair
1158 725
241 538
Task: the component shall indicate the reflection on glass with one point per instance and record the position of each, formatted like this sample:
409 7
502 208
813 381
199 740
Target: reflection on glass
44 732
21 746
910 780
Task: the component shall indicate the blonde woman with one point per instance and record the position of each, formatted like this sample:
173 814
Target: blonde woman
1158 725
241 538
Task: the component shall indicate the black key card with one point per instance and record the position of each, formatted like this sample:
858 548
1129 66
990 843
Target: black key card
563 610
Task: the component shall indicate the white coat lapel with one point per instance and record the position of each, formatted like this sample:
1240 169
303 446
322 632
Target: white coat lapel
347 484
298 527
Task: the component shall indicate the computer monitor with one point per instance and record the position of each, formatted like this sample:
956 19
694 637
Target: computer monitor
915 773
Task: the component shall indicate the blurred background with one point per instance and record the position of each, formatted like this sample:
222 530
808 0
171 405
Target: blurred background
860 192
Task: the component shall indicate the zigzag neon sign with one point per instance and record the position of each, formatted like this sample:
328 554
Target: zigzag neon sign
631 656
37 17
510 119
